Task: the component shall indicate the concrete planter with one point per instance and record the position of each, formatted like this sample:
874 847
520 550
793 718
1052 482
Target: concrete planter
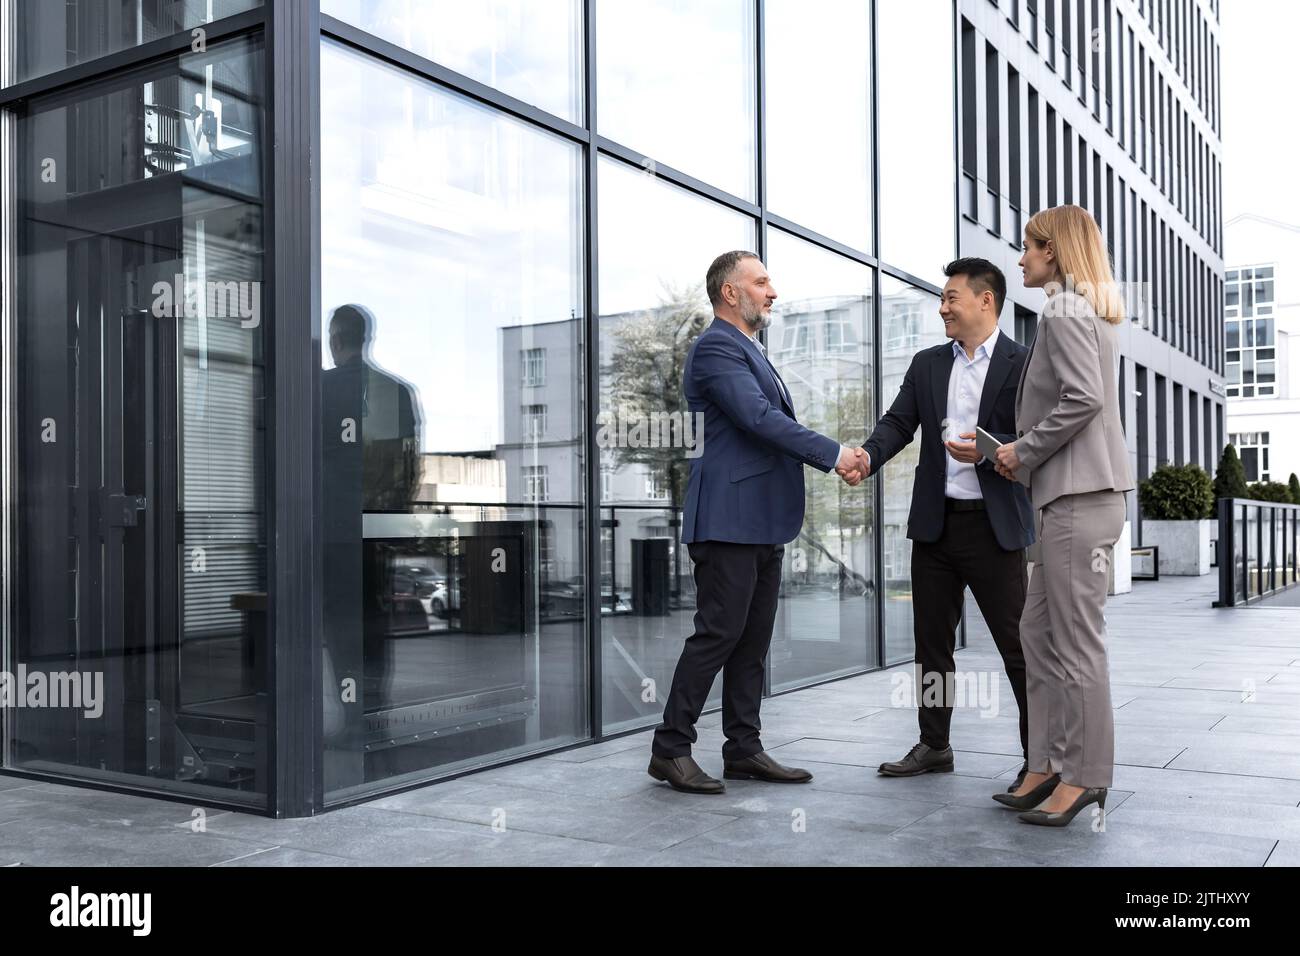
1184 545
1121 563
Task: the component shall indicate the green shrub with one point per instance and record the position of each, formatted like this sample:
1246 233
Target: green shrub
1177 493
1294 487
1230 480
1269 491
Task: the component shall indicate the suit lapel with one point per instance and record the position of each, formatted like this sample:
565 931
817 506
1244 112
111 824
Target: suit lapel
781 389
940 373
999 368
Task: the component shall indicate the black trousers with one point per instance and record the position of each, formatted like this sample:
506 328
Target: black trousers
736 587
967 554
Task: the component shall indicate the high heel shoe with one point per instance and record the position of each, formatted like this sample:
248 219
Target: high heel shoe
1062 818
1027 801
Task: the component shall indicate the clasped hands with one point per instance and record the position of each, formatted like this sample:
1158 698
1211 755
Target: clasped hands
853 466
1006 464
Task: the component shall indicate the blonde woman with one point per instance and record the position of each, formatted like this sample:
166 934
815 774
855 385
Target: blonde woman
1071 455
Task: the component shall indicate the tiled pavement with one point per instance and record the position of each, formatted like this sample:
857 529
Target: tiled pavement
1207 710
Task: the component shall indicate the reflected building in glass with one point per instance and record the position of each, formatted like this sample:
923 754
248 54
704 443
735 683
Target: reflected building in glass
388 487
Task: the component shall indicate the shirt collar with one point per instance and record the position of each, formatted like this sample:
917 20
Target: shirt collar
987 346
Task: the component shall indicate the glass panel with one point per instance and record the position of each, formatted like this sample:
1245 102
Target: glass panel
822 99
825 624
652 309
917 218
51 36
909 322
677 83
141 504
453 531
529 49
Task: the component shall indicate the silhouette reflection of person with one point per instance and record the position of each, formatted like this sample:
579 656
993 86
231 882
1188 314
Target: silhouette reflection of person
370 437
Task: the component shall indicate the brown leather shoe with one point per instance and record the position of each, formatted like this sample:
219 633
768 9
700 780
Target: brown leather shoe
920 759
760 766
684 774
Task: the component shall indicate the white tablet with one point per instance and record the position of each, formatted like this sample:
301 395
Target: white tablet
986 444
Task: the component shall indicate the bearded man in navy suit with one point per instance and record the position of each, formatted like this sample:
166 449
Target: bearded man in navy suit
744 502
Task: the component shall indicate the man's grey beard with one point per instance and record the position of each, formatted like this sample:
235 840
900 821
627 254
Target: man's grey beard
754 316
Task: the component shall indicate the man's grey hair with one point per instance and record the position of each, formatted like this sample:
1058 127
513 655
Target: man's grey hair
723 268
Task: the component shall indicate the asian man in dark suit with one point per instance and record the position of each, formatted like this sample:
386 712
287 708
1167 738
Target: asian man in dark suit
969 527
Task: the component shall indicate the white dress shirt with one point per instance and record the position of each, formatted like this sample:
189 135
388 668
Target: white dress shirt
965 388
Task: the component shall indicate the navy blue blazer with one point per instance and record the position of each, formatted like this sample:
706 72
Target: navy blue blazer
747 484
923 400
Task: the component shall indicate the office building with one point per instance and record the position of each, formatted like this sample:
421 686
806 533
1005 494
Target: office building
1262 311
1114 106
343 344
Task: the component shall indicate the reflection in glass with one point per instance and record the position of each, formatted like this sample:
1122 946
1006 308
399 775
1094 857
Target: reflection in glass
820 342
50 35
656 243
141 526
529 49
818 59
917 164
451 400
676 82
909 322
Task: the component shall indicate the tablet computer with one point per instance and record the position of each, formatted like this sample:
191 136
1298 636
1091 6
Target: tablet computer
986 444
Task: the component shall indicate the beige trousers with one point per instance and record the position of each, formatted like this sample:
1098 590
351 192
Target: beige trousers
1063 633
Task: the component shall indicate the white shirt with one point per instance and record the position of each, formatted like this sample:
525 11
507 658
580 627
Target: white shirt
965 388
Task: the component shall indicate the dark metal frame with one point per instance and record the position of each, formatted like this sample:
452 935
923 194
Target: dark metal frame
293 31
1234 562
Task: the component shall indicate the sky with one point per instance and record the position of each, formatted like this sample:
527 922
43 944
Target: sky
1260 86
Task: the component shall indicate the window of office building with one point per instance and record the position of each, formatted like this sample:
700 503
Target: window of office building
438 495
825 622
53 36
692 110
530 49
1249 332
822 99
1252 449
917 215
909 322
140 486
656 242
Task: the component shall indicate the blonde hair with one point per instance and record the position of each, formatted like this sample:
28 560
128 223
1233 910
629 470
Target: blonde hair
1081 257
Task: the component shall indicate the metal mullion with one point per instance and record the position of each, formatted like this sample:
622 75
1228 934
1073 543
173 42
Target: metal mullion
591 389
292 269
677 177
145 54
907 277
760 194
394 55
877 349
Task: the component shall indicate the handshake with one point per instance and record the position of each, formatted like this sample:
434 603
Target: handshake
854 465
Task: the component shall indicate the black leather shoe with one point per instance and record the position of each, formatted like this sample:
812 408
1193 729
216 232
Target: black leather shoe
760 766
1031 799
1020 778
1042 818
684 774
920 759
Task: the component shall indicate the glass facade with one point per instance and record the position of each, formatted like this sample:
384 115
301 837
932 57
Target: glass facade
138 376
517 203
